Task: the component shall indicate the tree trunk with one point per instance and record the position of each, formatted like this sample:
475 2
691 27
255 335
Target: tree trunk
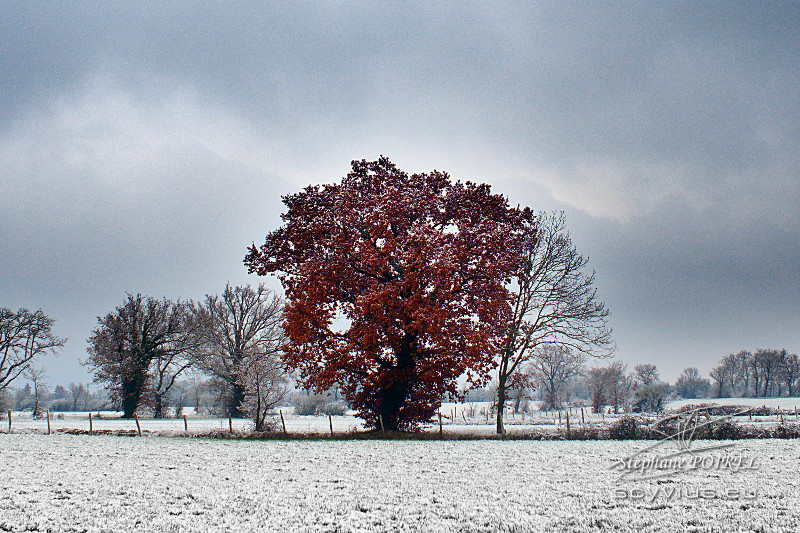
236 401
501 402
394 397
36 412
391 402
158 409
132 394
129 405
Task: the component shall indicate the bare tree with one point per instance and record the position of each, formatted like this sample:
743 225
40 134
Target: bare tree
76 390
618 384
651 397
24 335
768 363
243 320
743 373
645 374
552 366
166 367
790 371
555 302
691 384
127 342
36 376
598 383
725 375
265 384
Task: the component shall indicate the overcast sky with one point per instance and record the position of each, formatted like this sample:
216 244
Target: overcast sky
144 146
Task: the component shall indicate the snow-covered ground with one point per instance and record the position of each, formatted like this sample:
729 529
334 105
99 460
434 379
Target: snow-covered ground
787 404
70 483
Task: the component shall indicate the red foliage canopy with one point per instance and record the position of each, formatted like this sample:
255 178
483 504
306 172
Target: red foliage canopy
396 285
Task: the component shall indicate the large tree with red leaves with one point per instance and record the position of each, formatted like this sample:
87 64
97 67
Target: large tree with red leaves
395 286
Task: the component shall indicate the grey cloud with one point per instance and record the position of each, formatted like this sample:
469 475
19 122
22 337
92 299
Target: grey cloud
143 145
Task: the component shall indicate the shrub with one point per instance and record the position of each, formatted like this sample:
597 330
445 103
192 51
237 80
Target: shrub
315 404
333 409
583 434
623 429
764 411
725 410
61 405
726 430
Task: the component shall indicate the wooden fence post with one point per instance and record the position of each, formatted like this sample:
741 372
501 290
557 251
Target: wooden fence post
91 427
440 423
185 424
48 422
567 412
9 420
138 426
559 418
230 424
380 417
283 422
330 421
583 420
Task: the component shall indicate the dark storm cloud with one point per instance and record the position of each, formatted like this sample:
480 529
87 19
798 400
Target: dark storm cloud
143 145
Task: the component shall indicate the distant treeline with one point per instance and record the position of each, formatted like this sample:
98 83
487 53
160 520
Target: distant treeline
763 373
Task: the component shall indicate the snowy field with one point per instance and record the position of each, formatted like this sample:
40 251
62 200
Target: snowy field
787 404
69 483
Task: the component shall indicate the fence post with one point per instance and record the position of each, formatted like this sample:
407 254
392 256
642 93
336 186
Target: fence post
567 412
9 420
48 422
440 423
583 420
230 424
185 424
283 422
138 426
91 427
380 417
559 419
330 421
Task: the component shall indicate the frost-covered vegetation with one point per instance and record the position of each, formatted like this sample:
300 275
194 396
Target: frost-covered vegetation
767 418
98 484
